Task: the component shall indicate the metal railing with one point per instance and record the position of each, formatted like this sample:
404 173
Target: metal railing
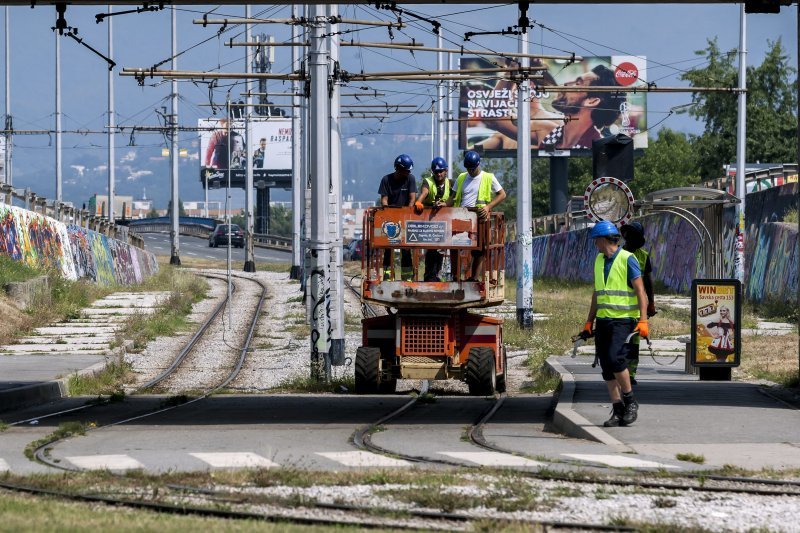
68 214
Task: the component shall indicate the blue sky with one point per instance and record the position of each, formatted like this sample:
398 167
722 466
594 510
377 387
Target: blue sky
667 35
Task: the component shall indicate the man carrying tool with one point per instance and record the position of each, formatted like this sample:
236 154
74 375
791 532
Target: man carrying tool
434 192
633 233
475 188
618 302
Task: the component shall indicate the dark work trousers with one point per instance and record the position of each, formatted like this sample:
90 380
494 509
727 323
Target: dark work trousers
433 265
405 259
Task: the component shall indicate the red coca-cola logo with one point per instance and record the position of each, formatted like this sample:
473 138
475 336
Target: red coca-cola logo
626 73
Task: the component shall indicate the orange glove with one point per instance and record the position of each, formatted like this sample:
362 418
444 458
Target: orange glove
418 207
587 331
643 328
651 309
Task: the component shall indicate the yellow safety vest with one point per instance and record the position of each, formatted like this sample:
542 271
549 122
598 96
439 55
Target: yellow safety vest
484 190
641 256
615 299
433 191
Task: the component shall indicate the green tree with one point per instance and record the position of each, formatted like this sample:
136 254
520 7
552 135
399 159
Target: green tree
152 213
771 103
669 161
181 210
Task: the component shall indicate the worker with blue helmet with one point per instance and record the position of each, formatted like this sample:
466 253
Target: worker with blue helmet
399 189
619 305
435 192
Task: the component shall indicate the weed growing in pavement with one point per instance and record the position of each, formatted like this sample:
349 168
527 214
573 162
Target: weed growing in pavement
306 383
690 457
3 426
174 401
64 430
107 381
664 503
294 299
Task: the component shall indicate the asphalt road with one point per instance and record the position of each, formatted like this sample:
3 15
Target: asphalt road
196 247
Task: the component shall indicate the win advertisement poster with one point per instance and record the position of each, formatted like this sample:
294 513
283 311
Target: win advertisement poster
488 104
270 149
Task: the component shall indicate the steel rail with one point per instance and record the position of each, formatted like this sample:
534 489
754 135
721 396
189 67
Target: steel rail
41 453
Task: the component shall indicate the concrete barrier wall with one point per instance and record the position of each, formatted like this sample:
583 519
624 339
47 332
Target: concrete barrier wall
78 253
771 250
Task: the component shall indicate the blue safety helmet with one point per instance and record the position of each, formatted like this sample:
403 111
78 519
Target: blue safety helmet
604 228
403 162
472 160
438 163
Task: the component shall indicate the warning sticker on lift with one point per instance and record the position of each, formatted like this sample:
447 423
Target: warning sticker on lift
423 232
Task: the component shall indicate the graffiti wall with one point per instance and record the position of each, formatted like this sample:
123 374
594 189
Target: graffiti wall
675 250
76 252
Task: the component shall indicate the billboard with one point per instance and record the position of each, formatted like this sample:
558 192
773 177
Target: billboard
716 322
488 105
270 150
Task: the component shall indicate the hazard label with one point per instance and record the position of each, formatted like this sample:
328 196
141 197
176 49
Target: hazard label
422 232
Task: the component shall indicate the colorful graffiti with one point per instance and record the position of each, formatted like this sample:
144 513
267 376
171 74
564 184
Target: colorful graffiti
675 249
76 252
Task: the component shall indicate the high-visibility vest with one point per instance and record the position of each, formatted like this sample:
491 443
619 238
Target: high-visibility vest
484 190
641 256
615 299
433 191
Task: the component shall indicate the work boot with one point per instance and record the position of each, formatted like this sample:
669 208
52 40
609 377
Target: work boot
617 410
631 410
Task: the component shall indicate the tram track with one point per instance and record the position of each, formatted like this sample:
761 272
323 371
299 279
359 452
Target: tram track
41 452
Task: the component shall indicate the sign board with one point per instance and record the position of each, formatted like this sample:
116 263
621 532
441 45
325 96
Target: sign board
424 232
716 322
270 150
488 105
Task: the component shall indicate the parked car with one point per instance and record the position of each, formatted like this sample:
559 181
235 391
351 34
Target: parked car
354 251
220 236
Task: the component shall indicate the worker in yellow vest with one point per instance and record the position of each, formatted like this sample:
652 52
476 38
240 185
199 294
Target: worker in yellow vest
476 188
435 192
633 233
619 304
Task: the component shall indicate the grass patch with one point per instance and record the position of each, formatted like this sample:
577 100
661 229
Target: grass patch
691 457
790 216
3 426
185 289
306 383
64 430
12 270
108 381
770 357
37 513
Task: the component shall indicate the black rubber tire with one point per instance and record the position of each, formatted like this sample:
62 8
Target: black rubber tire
367 370
501 378
480 374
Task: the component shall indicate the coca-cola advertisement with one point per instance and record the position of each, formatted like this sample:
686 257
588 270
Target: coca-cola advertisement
563 120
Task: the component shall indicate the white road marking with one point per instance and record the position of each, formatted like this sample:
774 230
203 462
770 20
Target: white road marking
191 253
158 247
618 461
105 462
235 460
493 459
362 459
3 466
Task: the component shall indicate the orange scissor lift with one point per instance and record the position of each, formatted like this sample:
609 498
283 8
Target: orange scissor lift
429 331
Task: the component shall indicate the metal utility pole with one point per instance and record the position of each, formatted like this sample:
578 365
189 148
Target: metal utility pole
175 258
9 178
111 121
319 113
524 209
337 260
741 153
440 103
249 255
58 117
450 107
298 184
